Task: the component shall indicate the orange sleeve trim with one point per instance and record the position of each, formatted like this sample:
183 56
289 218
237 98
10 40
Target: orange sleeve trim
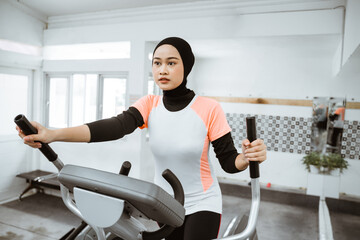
145 105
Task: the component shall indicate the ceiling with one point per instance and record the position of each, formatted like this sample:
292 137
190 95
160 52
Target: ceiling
54 8
50 8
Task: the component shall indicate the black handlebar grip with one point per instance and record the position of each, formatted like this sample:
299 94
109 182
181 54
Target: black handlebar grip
125 168
28 129
251 136
175 183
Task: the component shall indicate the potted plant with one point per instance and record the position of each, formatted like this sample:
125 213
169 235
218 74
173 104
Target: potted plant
324 163
312 162
335 161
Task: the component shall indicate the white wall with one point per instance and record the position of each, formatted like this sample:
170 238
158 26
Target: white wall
272 67
15 159
17 26
352 30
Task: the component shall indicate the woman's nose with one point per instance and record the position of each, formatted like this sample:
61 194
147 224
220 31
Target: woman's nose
163 69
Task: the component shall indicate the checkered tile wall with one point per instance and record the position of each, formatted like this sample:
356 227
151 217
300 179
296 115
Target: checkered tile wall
291 134
350 147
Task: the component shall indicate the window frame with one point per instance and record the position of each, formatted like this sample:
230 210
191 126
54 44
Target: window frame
69 105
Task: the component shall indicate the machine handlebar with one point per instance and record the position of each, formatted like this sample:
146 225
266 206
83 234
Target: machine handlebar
125 168
28 129
175 183
251 136
166 230
255 189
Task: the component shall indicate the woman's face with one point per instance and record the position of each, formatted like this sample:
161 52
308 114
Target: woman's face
167 67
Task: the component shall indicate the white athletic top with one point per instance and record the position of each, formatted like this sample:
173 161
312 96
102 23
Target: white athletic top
180 142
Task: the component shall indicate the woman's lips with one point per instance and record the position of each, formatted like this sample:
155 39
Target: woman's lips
164 80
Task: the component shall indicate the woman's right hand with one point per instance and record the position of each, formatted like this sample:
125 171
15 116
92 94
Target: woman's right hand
44 135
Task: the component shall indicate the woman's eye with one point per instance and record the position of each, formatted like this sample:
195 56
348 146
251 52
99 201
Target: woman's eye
156 63
171 63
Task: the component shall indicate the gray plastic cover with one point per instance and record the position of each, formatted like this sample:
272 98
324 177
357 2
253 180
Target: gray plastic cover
147 197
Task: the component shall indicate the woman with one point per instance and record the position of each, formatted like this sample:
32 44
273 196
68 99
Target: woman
181 126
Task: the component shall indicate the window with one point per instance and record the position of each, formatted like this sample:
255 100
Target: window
14 99
58 102
113 101
84 98
76 99
153 88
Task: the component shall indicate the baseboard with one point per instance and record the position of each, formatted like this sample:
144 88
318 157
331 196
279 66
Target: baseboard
13 194
271 195
350 206
291 197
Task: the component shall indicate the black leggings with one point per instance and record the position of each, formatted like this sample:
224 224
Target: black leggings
198 226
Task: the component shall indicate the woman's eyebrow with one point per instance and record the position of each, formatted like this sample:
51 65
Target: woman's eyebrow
169 58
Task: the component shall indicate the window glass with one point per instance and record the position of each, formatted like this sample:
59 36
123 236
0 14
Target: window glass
58 102
113 96
75 99
151 86
78 99
13 100
91 94
84 94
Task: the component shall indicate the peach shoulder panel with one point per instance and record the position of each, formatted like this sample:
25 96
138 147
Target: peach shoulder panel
144 105
213 117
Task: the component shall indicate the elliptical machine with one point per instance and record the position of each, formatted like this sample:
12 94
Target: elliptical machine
113 206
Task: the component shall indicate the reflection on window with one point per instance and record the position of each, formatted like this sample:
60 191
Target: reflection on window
114 96
74 99
13 99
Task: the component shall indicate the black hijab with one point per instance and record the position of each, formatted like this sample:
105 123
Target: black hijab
178 98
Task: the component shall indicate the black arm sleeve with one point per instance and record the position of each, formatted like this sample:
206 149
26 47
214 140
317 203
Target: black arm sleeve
115 127
226 153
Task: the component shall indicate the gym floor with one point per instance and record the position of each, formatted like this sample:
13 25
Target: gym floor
44 217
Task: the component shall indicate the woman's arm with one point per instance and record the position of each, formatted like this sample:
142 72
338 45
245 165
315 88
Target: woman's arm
116 127
230 160
45 135
98 131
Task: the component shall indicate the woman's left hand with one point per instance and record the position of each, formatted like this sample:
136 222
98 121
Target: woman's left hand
254 151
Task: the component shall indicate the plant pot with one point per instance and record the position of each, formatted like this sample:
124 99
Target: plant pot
324 170
335 172
314 169
327 171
